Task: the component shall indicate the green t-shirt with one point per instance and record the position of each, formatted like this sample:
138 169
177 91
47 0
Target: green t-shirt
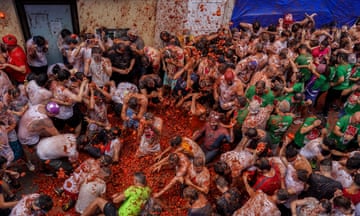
345 127
298 87
241 115
322 83
351 105
265 99
277 127
343 70
136 197
304 60
301 139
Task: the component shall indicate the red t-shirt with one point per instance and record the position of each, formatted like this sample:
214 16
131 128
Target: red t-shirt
355 198
17 57
268 184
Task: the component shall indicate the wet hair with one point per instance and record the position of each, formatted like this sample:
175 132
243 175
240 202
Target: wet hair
295 27
96 50
44 202
326 204
198 161
303 46
79 75
271 28
329 142
81 140
251 133
65 32
40 79
356 47
357 179
283 53
324 43
148 116
63 75
164 34
353 163
302 175
241 100
342 56
282 195
140 177
291 152
263 164
278 87
133 102
106 160
221 181
174 158
326 162
298 96
14 91
220 167
175 141
39 40
191 193
325 152
55 70
3 160
121 46
256 26
342 202
260 83
98 94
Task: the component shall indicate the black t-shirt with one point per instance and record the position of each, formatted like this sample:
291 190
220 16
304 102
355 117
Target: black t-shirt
321 187
120 60
229 202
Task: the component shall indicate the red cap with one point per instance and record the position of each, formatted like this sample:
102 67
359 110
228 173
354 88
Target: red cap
73 36
9 39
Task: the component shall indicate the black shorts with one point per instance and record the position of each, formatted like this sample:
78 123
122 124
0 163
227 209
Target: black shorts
110 209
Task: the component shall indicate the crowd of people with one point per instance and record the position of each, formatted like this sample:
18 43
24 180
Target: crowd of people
284 98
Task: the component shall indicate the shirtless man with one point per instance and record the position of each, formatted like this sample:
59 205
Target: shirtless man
198 176
227 88
134 108
181 163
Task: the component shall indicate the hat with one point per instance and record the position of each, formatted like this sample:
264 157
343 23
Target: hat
9 39
52 108
254 107
284 106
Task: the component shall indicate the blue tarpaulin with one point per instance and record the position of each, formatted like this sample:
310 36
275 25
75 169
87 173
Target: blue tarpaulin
341 12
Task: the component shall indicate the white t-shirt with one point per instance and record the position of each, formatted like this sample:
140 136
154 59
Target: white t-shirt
340 175
37 94
311 149
20 209
63 145
89 191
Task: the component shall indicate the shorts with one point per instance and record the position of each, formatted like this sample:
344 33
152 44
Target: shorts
110 209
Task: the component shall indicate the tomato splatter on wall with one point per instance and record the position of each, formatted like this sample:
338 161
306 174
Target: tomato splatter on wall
119 14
